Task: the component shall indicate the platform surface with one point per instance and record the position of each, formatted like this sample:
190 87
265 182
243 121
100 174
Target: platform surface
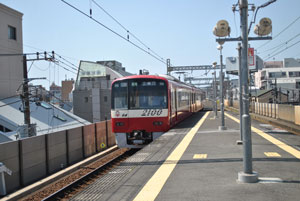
188 163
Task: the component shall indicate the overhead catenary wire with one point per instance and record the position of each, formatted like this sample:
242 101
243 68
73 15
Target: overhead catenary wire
61 57
281 45
128 32
288 26
106 27
266 58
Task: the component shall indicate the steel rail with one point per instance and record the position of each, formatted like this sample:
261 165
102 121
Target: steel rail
77 182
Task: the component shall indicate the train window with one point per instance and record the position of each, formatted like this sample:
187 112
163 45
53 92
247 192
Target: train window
134 84
119 95
148 94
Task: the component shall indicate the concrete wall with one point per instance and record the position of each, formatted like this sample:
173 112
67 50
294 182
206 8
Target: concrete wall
75 142
11 67
57 151
278 111
111 136
236 104
297 115
9 156
89 140
34 158
101 135
286 112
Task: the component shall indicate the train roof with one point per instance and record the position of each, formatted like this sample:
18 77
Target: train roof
160 76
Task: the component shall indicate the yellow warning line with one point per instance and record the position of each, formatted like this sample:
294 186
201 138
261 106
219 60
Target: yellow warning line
157 181
271 139
200 156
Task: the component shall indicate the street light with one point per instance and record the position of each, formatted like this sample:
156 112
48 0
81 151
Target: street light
222 127
264 28
222 29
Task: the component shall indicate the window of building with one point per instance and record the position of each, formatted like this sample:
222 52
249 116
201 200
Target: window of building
46 105
105 98
297 85
294 74
277 74
59 118
12 33
86 99
4 129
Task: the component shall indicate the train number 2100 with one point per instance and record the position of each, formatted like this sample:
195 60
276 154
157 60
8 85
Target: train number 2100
151 112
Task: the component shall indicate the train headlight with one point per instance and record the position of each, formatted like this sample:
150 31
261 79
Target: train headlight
119 123
157 123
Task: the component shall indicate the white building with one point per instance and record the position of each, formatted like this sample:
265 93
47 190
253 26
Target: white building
285 75
11 42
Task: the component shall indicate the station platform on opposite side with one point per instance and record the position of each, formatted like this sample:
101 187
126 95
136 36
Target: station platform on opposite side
196 161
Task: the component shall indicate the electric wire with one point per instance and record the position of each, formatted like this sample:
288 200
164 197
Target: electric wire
30 66
76 67
266 58
137 46
146 46
288 26
280 45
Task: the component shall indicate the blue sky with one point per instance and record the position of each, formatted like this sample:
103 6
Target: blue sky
177 29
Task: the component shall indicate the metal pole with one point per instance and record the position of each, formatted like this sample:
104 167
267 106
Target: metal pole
222 127
215 94
240 94
168 66
26 97
247 176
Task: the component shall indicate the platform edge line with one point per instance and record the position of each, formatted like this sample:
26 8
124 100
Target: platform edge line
271 139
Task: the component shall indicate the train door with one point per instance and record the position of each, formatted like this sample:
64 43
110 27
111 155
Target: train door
170 103
191 101
175 94
173 113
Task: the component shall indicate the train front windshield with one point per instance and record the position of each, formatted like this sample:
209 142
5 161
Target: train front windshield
140 93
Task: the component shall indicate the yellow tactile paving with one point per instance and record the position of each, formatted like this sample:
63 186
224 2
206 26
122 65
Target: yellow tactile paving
157 181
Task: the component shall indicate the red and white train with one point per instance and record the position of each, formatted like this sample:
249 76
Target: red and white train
143 107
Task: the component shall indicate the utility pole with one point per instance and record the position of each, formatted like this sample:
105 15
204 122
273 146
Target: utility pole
264 28
247 176
26 97
25 94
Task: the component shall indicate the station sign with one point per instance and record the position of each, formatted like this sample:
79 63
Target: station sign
232 64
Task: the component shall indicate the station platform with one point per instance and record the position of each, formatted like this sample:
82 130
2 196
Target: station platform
196 161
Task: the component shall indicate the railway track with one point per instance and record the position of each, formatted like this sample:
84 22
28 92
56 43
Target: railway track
70 185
